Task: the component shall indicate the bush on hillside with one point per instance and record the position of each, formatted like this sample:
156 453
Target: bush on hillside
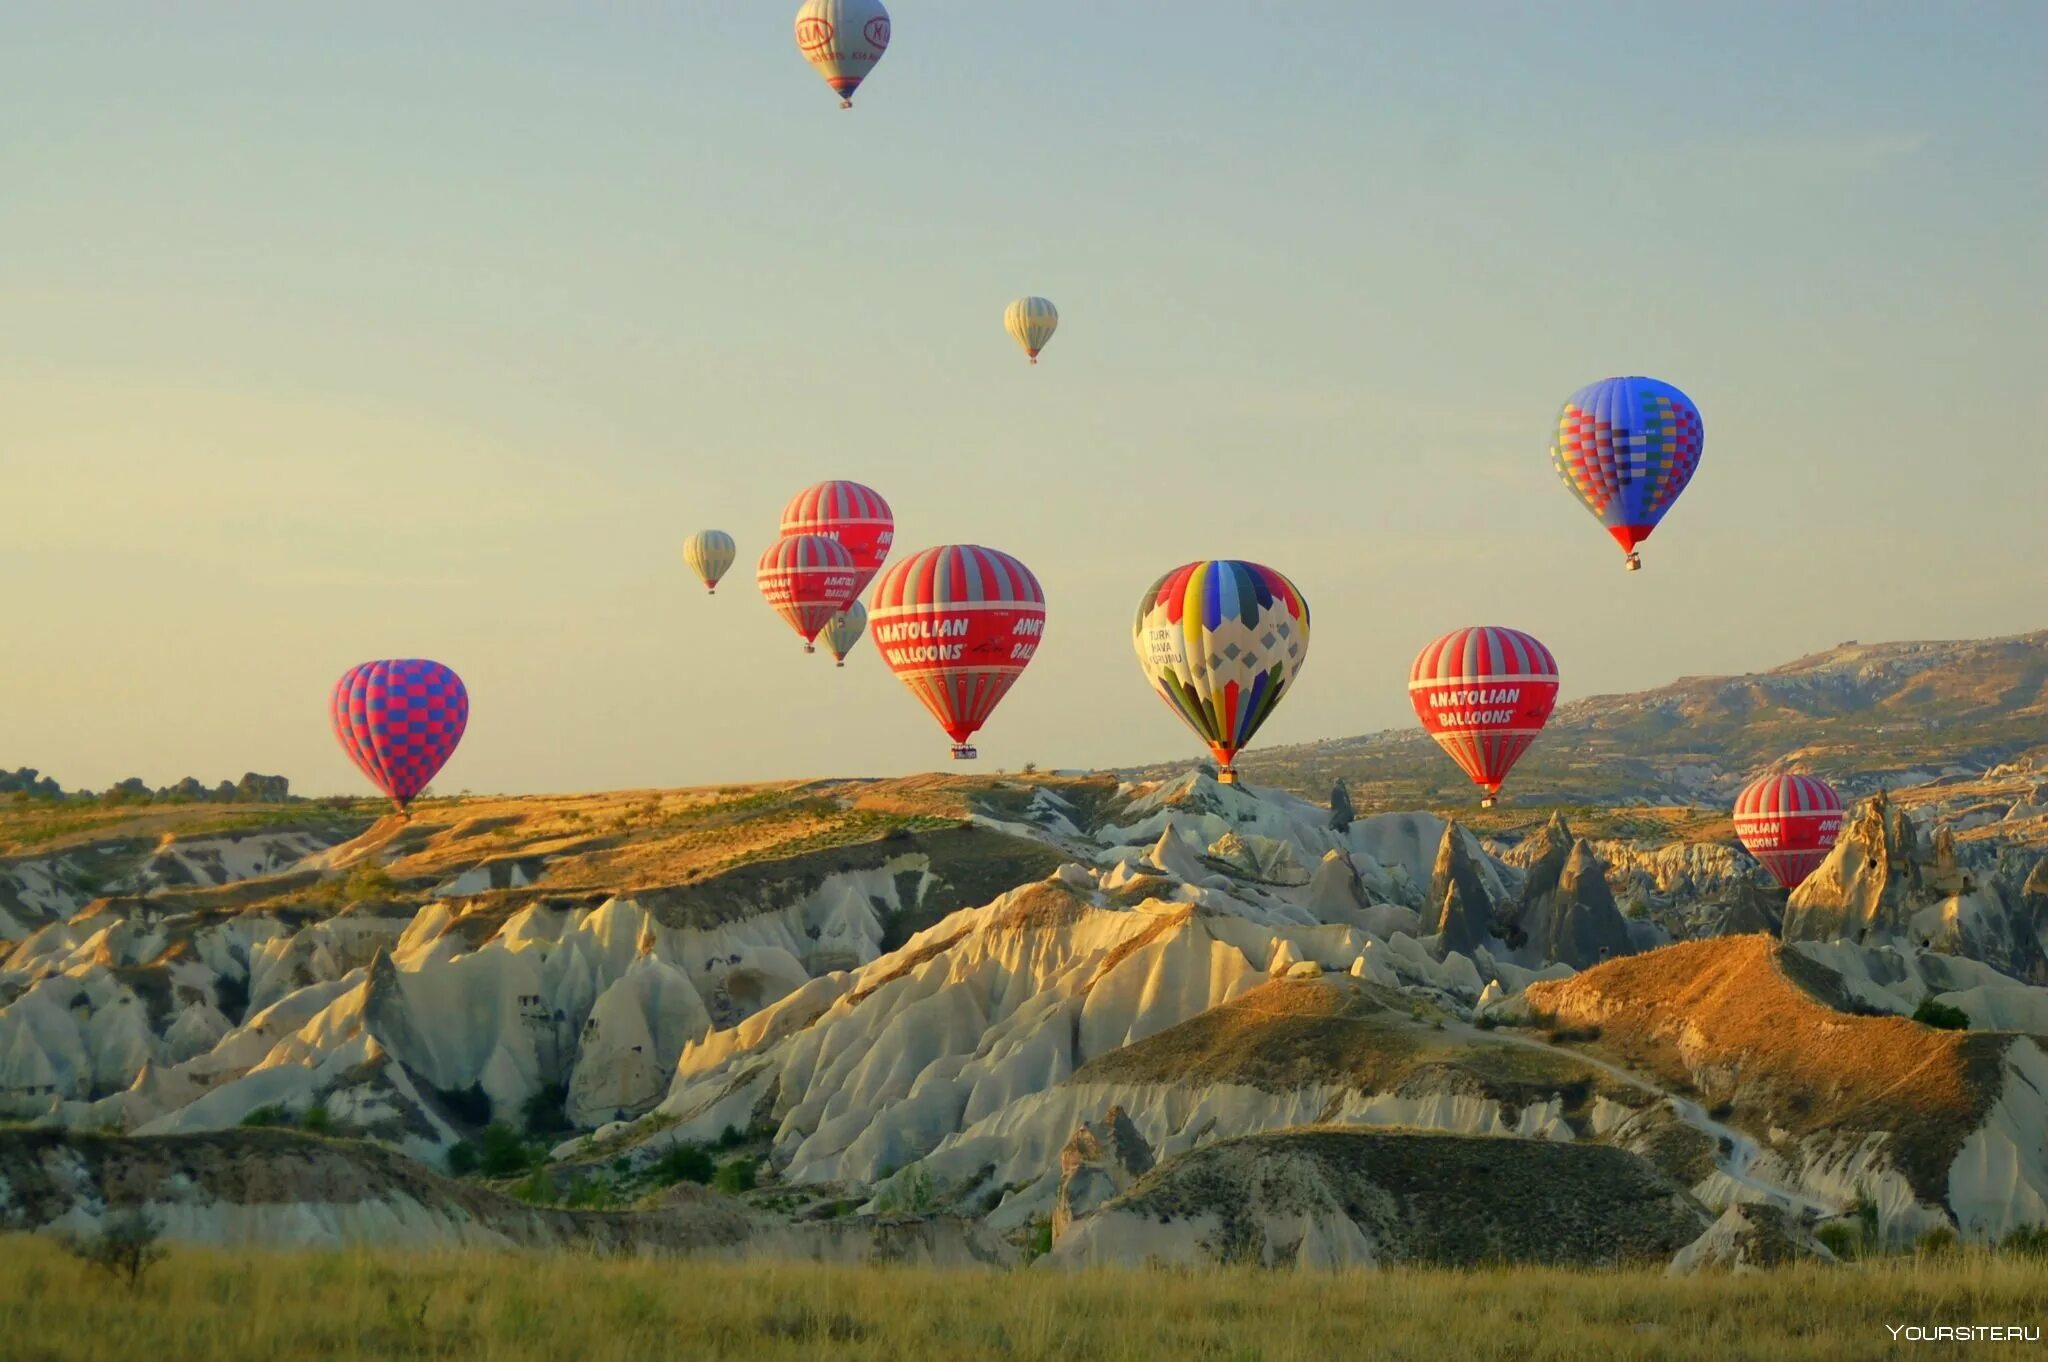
684 1163
502 1154
462 1159
734 1177
1941 1016
124 1247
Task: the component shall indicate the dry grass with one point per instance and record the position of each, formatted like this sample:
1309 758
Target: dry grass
251 1307
1739 1017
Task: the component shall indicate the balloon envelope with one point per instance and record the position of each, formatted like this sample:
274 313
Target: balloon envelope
399 720
1031 322
958 624
710 554
1484 694
854 515
1221 641
844 629
842 40
808 579
1626 447
1790 823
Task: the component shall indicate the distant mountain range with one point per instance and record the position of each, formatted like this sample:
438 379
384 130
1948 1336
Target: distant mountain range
1861 715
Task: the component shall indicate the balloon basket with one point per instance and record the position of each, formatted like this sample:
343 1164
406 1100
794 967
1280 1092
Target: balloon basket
1489 801
963 752
1635 563
810 647
840 663
1226 775
846 104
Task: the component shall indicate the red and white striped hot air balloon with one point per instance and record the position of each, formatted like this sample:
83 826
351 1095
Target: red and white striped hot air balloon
1484 694
851 513
808 579
1790 823
958 624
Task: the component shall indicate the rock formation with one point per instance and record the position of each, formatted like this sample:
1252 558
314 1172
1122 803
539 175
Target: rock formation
1103 1160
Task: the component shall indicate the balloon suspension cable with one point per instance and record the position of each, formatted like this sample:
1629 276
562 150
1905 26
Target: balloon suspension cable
1635 562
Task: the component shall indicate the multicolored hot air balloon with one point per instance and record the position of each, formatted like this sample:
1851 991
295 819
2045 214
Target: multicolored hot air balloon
958 624
854 515
399 720
1221 641
843 39
1790 823
709 554
1627 447
1031 322
808 579
1484 694
844 629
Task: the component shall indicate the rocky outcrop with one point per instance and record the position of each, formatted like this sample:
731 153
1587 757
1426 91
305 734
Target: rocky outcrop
1865 891
1326 1198
1567 912
1750 1237
1103 1161
1458 900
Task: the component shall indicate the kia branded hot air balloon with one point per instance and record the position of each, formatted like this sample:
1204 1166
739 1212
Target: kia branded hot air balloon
958 624
843 39
709 554
808 579
1790 823
399 720
1627 447
854 515
1031 322
844 629
1221 641
1484 694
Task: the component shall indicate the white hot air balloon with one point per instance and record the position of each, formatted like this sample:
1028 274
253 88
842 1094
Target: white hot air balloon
709 553
844 629
843 39
1031 322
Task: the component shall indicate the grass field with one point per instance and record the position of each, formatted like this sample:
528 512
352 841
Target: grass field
264 1307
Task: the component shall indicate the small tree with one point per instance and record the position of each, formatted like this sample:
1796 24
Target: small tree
503 1154
125 1247
734 1177
1941 1016
1341 811
684 1163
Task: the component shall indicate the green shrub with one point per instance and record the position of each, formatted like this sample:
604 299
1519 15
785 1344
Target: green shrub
545 1113
1841 1240
124 1247
2028 1240
1937 1242
462 1159
504 1154
316 1121
267 1116
1941 1016
732 1137
1040 1242
734 1177
684 1163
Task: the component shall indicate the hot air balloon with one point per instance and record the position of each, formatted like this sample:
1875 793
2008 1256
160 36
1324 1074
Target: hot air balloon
1221 641
843 39
854 515
1627 447
844 629
808 579
1789 823
1031 322
709 553
399 720
958 624
1484 694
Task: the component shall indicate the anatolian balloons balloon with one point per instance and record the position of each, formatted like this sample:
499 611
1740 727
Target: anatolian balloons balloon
1484 694
854 515
1789 823
958 624
808 579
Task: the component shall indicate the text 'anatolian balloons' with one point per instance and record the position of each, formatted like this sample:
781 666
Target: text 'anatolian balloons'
1789 823
808 579
958 624
1221 641
399 721
1484 694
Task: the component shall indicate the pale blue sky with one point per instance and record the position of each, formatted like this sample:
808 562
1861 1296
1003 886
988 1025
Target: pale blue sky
402 329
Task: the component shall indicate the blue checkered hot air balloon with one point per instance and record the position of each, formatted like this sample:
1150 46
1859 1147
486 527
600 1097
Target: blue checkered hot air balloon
1627 447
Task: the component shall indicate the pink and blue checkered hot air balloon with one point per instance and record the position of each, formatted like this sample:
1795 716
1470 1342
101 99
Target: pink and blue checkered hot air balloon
399 721
1627 447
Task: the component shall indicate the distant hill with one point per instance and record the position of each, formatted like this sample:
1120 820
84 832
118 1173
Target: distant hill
1862 715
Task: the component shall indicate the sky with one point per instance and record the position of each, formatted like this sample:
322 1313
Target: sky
382 330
